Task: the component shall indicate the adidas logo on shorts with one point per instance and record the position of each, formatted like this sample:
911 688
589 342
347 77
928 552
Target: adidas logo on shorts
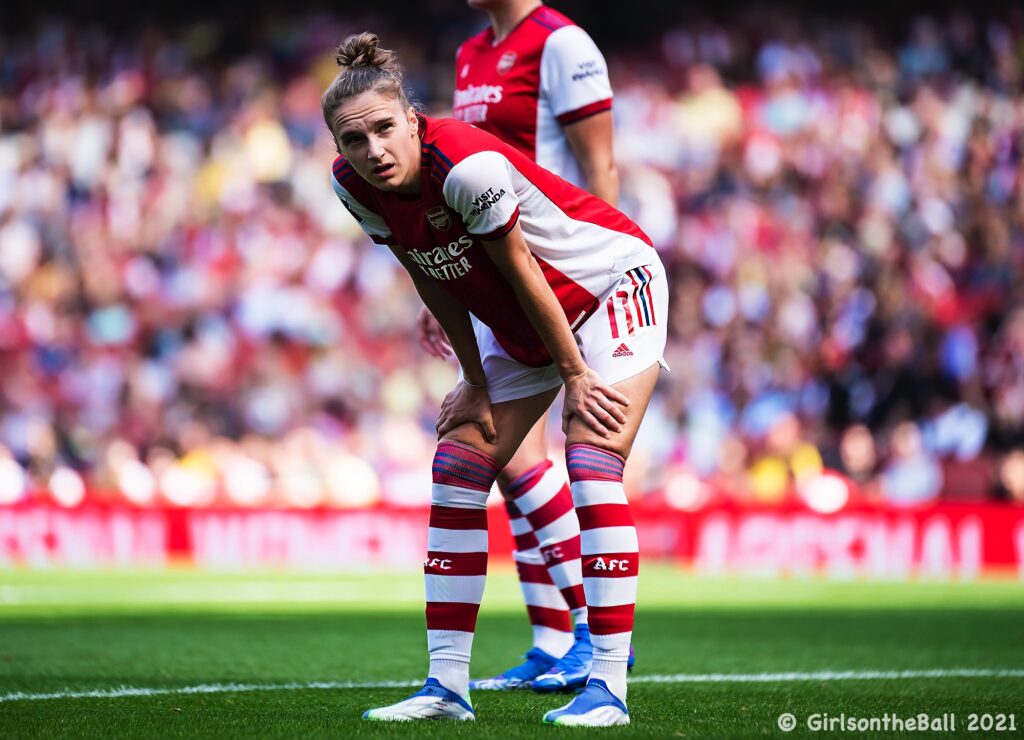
622 351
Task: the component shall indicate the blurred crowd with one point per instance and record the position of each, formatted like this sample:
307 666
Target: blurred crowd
188 317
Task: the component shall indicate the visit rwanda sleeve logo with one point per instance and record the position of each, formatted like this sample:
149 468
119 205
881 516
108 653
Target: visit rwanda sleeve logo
484 201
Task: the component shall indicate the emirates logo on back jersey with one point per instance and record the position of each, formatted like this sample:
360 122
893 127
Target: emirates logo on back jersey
506 62
472 101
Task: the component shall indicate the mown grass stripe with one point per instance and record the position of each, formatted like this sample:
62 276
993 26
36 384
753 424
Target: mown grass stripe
786 677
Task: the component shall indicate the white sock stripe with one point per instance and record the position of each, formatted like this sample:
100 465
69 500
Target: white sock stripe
610 591
542 492
551 641
567 573
529 557
563 528
460 589
612 638
543 594
579 616
519 526
442 494
608 539
593 492
451 645
456 540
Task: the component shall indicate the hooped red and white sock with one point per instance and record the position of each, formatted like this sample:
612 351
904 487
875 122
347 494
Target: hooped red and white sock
456 564
545 604
611 557
544 498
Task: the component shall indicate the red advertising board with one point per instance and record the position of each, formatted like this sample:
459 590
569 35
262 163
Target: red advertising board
944 541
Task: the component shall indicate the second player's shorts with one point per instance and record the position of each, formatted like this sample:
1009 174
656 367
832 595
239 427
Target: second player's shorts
624 337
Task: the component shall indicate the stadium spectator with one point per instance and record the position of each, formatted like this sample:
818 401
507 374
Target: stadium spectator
182 305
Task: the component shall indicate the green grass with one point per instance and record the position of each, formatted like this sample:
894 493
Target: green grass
69 631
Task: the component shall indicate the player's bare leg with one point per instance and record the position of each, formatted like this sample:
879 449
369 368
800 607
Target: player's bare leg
610 555
465 467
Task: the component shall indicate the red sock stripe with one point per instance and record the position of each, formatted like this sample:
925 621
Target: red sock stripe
611 565
529 479
526 541
556 619
452 517
532 573
455 563
559 551
559 505
452 615
610 620
574 596
604 515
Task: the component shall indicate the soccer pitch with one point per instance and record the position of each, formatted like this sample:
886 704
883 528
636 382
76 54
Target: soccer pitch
184 654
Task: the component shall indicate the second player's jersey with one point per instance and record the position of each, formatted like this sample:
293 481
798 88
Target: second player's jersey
545 74
476 188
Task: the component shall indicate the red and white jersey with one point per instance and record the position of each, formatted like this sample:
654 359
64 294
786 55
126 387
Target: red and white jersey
545 74
476 188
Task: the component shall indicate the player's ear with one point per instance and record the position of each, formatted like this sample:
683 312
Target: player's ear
414 122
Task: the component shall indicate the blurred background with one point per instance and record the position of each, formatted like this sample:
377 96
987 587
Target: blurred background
202 358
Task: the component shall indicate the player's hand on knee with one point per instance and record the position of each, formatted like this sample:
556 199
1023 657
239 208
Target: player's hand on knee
596 403
467 405
431 336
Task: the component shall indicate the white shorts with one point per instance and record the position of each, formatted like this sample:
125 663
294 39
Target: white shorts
624 337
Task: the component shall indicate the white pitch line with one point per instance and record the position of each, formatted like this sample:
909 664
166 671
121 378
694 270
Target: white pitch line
234 688
829 676
205 688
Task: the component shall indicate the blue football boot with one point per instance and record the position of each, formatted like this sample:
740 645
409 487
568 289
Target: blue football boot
572 669
519 677
433 701
595 706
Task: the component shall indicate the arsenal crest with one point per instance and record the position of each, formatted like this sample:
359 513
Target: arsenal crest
438 218
506 62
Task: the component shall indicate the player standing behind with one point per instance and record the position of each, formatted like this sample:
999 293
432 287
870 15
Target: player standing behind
538 82
566 290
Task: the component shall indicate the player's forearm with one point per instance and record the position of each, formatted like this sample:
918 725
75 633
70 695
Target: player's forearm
539 303
546 315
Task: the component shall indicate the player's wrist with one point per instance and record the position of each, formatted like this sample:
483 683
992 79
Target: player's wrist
573 372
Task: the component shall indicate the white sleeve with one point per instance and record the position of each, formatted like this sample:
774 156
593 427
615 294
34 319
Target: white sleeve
370 222
574 75
479 188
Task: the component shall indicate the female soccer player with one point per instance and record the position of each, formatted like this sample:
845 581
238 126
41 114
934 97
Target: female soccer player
538 82
566 290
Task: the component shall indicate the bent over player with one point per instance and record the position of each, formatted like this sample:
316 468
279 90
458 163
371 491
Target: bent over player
566 290
537 81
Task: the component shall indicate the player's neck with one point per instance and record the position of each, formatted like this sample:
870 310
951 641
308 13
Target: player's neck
505 19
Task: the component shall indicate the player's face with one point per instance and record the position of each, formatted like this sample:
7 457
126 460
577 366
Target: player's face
380 141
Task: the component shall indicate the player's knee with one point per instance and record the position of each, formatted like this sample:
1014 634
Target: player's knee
580 433
471 436
462 475
512 472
